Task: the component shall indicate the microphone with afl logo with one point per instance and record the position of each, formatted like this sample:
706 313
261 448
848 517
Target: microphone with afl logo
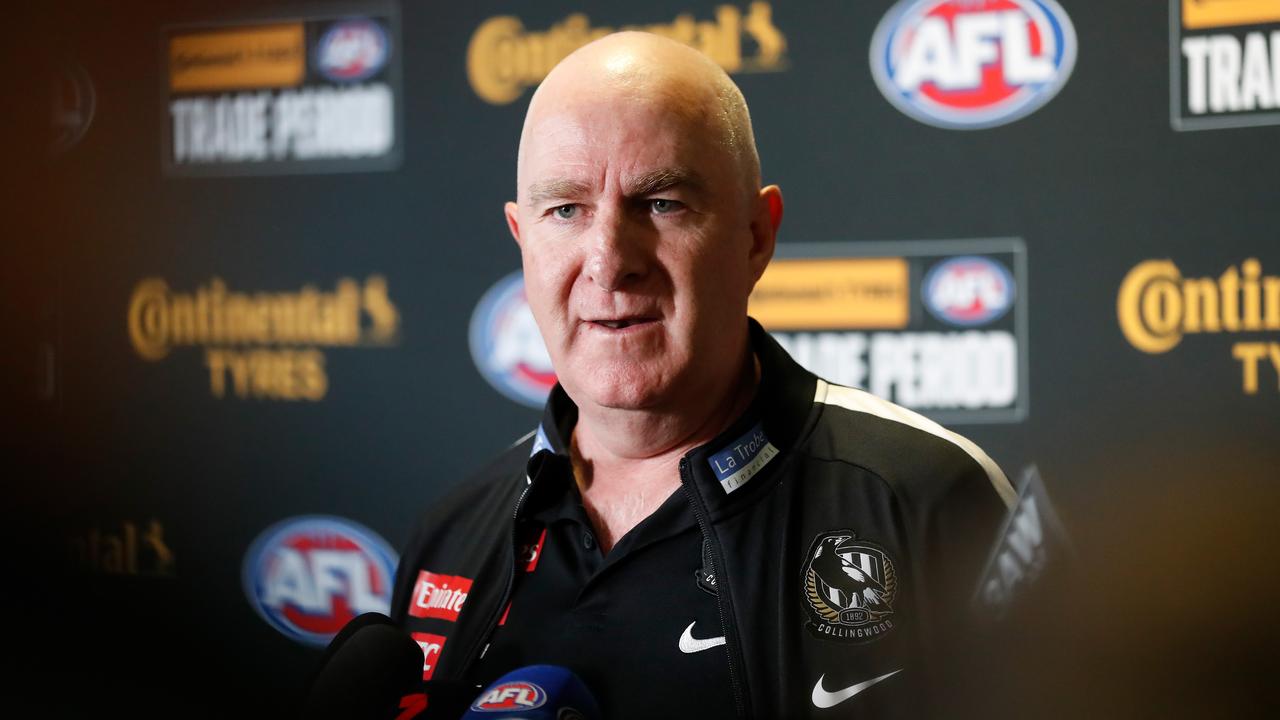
534 693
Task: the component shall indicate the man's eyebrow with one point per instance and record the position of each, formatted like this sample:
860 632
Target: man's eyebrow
559 189
656 181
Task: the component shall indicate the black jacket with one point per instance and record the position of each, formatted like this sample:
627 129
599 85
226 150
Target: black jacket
849 554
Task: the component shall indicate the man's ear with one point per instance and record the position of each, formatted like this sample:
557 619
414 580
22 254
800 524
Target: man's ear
513 222
764 229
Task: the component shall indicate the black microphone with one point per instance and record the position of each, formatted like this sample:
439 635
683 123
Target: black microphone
536 692
368 668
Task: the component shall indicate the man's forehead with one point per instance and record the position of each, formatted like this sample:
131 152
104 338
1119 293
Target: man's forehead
603 124
637 150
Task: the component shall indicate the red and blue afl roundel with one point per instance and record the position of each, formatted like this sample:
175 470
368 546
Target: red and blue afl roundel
352 50
307 576
968 64
519 695
506 345
968 291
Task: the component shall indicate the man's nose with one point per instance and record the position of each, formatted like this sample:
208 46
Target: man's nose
615 254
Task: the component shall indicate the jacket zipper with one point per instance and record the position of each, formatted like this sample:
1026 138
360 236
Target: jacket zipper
704 523
492 622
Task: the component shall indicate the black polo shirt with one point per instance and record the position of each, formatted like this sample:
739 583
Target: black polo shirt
640 625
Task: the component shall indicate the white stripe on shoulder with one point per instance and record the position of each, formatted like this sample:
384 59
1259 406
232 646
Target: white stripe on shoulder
523 437
862 401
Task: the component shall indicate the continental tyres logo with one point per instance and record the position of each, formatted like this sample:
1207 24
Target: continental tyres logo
263 345
133 550
1157 307
504 58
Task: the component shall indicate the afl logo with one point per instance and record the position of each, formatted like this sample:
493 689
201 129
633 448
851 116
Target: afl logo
968 64
352 50
518 695
506 345
968 291
307 576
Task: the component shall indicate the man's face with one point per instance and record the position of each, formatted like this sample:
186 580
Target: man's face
636 233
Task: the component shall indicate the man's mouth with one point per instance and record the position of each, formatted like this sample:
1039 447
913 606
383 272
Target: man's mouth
621 323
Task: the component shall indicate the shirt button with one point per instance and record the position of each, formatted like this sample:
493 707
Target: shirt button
588 542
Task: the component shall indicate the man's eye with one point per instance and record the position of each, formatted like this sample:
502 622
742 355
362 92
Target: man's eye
662 206
565 212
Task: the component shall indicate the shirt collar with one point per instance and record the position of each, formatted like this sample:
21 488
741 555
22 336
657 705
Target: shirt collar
559 416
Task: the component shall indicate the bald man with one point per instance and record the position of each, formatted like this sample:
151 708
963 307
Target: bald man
699 526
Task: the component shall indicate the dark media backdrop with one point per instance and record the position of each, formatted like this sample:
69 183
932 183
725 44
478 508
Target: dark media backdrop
115 451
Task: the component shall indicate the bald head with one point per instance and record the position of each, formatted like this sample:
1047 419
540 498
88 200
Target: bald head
634 68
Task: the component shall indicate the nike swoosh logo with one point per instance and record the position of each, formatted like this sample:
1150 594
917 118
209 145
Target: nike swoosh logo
689 644
824 699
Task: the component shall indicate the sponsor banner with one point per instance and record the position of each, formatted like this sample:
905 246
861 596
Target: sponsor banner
130 549
439 596
506 345
1224 63
943 330
1157 307
969 64
834 293
504 58
432 645
742 459
308 576
262 345
301 94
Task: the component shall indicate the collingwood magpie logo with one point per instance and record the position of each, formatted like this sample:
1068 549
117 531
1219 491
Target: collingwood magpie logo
849 586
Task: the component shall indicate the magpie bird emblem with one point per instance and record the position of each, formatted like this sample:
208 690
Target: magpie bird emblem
850 586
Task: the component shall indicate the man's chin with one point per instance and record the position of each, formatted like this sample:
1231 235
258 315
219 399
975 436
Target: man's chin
621 397
620 389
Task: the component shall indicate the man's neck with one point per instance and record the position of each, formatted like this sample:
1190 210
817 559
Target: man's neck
626 461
